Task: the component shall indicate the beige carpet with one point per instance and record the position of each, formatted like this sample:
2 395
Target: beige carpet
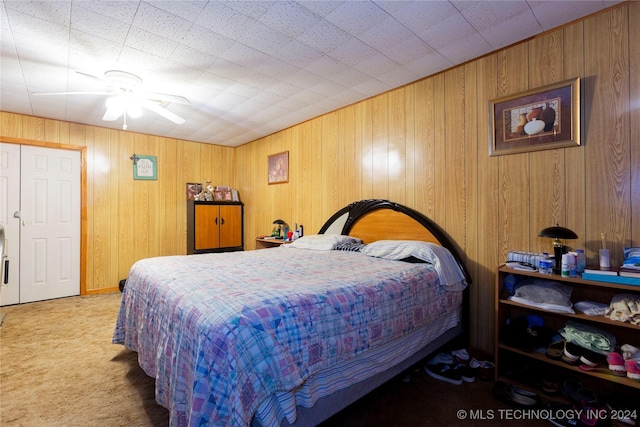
59 368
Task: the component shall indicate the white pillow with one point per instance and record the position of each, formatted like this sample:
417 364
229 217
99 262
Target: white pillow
322 242
443 261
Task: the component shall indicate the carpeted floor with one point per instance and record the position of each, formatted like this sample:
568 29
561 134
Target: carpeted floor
59 368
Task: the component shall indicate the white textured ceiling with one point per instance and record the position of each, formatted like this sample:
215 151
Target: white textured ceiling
249 68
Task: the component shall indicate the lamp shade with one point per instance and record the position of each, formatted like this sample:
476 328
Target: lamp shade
557 232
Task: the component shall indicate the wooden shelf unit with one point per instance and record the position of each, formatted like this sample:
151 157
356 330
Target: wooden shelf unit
625 333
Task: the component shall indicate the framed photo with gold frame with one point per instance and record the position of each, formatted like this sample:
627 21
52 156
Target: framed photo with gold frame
278 167
539 119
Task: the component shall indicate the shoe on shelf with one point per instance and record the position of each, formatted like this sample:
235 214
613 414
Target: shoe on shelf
624 408
571 353
510 394
591 358
444 372
575 391
551 384
616 364
557 414
633 369
630 352
555 350
523 397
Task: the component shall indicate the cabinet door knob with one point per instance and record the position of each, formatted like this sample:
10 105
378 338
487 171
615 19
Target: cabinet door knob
221 221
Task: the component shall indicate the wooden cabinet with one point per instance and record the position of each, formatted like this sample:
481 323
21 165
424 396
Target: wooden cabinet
508 357
214 227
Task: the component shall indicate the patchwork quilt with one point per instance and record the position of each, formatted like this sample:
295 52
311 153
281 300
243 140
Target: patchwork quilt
223 332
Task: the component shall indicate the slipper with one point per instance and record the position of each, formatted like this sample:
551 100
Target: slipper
555 350
513 395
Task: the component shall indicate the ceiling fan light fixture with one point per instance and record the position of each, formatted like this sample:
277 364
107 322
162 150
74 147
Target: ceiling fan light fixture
115 103
134 109
119 104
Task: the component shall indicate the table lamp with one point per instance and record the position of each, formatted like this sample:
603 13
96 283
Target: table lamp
281 225
559 248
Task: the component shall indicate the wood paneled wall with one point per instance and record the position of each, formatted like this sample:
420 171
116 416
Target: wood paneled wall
424 145
127 219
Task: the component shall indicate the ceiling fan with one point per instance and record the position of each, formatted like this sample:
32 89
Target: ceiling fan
126 98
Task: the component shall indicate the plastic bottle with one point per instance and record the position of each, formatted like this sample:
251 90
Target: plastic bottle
581 263
545 265
566 265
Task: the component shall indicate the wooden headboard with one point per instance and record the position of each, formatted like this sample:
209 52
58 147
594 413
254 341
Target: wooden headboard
377 219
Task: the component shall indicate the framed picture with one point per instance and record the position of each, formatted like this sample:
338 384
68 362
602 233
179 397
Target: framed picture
193 188
279 168
145 167
538 119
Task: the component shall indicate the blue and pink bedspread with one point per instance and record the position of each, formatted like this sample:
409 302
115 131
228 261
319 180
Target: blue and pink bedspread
223 332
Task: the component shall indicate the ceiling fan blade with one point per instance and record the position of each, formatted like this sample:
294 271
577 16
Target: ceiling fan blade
112 114
162 111
91 76
100 92
165 97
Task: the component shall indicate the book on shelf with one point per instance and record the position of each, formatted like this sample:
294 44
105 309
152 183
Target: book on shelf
606 271
633 281
629 272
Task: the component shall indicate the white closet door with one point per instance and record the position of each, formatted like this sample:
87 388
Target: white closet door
50 223
9 204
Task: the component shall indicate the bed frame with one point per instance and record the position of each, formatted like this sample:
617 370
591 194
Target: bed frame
372 220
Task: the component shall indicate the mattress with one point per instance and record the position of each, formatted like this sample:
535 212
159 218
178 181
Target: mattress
225 334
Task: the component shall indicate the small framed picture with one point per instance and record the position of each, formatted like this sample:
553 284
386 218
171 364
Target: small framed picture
278 168
218 196
193 189
145 167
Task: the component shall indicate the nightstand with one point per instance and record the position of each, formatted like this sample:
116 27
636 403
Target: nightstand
268 243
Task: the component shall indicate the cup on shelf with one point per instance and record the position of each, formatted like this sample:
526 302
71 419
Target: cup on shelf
605 258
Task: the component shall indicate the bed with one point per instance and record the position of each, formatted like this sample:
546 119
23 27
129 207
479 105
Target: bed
292 335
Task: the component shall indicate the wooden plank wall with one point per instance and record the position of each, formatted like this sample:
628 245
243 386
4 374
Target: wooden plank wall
423 145
127 219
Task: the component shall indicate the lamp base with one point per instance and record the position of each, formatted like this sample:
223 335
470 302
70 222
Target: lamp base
557 253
